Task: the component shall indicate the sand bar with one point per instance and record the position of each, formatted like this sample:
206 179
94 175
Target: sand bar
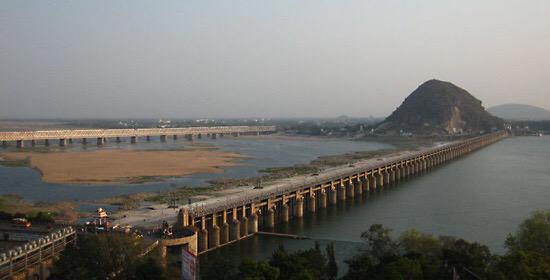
123 166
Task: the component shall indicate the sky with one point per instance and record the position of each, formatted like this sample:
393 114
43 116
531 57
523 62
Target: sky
191 59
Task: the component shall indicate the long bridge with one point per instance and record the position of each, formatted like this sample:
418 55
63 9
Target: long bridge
66 136
225 220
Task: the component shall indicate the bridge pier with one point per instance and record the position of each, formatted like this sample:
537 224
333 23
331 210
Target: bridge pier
33 143
203 240
62 142
350 192
341 191
214 237
163 138
299 207
199 136
117 139
20 144
133 139
386 175
174 137
84 141
285 213
213 135
189 137
70 140
366 183
270 218
373 184
380 178
4 144
100 141
323 199
148 138
253 228
359 187
332 195
244 226
312 203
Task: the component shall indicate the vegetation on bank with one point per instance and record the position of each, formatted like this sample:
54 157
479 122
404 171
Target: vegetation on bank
414 255
13 206
107 256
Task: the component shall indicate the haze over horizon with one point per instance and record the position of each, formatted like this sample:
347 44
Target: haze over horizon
182 59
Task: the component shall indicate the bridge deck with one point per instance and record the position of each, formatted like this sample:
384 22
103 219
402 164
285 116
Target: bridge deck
105 133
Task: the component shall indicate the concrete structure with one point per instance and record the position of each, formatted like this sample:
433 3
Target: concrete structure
34 259
283 201
103 134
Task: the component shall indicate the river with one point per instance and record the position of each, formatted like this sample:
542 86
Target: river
481 197
259 152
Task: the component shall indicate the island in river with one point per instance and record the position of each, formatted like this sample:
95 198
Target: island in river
122 166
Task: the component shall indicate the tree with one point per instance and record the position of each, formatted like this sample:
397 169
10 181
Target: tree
149 269
533 235
262 270
105 256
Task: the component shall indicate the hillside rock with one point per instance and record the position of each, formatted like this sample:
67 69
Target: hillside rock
438 107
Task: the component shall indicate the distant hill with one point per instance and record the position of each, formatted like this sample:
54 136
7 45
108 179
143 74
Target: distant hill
438 107
520 112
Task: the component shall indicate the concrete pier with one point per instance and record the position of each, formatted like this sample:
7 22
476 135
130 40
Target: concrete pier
299 207
100 141
244 226
163 138
203 240
285 213
214 237
359 187
350 191
333 195
323 199
133 139
235 232
341 191
312 203
20 144
253 227
62 142
270 218
224 233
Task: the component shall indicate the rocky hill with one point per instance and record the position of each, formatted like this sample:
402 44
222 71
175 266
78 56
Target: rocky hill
520 112
438 107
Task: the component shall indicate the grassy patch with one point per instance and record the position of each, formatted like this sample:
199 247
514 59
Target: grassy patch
14 205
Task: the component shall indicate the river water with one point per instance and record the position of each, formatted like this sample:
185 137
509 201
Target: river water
481 197
260 152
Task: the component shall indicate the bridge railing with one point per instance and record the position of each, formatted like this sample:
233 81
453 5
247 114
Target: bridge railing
34 252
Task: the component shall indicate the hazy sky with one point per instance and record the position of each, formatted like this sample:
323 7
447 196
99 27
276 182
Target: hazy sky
264 58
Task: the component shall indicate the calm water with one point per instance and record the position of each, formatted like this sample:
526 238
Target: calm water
261 153
481 197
